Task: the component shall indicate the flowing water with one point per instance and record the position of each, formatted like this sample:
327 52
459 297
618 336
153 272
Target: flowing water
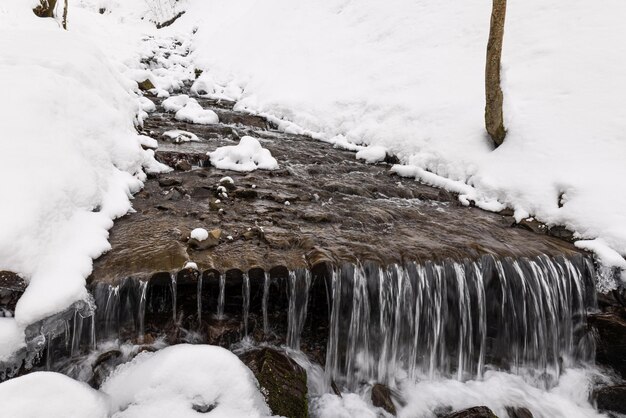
401 325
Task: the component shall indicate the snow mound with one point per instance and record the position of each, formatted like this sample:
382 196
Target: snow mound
169 383
179 136
51 395
199 234
248 155
372 154
194 113
175 103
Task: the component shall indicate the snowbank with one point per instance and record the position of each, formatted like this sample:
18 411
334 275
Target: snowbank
169 383
248 155
408 76
51 395
70 158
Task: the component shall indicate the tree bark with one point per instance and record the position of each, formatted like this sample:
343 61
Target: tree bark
494 121
45 8
65 16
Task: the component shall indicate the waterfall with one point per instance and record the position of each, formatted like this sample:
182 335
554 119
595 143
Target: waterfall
141 311
299 285
246 302
265 301
451 319
174 291
221 297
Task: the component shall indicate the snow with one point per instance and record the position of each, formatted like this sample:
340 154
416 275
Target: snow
11 337
248 155
69 153
200 234
409 76
167 383
52 395
194 113
175 103
179 136
373 154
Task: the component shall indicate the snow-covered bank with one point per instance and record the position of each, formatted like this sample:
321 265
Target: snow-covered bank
70 157
408 76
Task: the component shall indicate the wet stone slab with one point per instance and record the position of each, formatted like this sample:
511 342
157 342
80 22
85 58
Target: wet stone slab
322 205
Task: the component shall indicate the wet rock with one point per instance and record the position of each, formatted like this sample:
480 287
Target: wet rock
169 182
224 332
518 412
611 399
475 412
182 165
282 380
175 194
104 365
204 408
382 398
145 85
210 242
611 340
245 193
532 225
12 287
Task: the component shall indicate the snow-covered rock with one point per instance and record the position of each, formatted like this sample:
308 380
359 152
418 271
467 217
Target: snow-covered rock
199 234
194 113
171 382
372 154
248 155
179 136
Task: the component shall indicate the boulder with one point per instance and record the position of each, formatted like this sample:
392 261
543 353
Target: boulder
518 412
382 398
475 412
611 340
145 85
611 399
283 381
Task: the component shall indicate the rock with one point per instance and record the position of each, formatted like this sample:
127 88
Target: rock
210 242
282 380
104 365
169 182
145 85
382 398
12 287
475 412
175 195
611 399
518 412
204 408
215 233
182 165
611 340
245 193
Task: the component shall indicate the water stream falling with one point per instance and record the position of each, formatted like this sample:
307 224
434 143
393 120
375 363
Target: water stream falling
221 297
299 285
141 312
174 296
265 301
246 302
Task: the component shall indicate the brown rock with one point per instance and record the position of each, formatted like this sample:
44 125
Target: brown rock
145 85
611 342
519 412
475 412
611 399
382 398
283 381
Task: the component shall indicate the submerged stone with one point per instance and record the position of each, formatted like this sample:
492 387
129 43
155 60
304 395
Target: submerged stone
475 412
382 398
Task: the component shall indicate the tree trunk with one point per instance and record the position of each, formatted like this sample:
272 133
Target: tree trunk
45 8
493 108
65 16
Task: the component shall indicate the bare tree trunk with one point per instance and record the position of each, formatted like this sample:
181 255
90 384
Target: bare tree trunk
493 108
45 8
65 16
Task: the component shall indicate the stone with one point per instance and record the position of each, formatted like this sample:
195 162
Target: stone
611 399
215 234
382 398
518 412
611 340
145 85
282 380
475 412
169 182
245 194
182 165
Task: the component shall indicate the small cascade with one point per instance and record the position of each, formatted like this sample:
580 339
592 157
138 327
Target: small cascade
174 291
199 298
265 301
111 311
141 311
452 319
246 302
299 285
221 300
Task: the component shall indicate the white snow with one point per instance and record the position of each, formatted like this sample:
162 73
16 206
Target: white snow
175 103
248 155
11 338
179 136
169 382
51 395
409 76
372 154
194 113
69 153
190 265
200 234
